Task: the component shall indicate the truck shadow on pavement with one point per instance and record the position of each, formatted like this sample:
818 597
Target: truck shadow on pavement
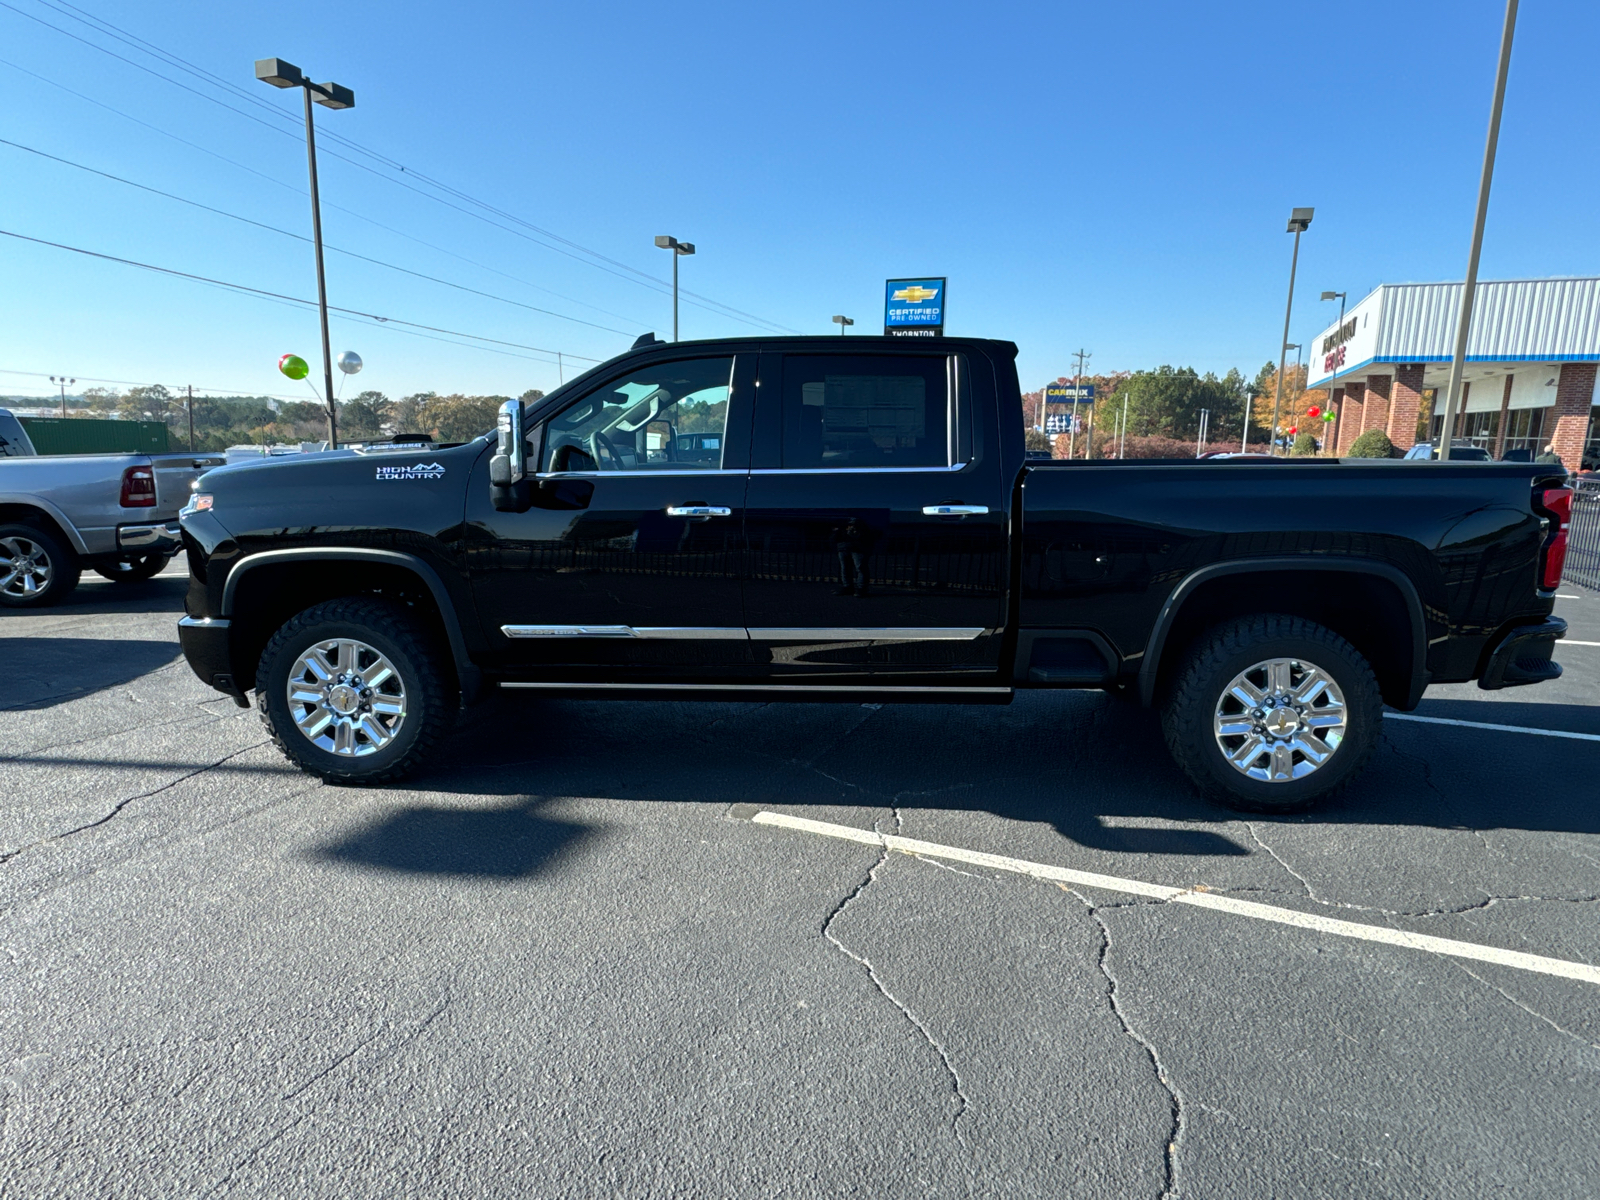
1093 770
508 842
42 672
164 593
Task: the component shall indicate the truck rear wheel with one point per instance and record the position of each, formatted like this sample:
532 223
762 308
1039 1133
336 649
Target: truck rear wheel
137 571
35 568
355 690
1272 713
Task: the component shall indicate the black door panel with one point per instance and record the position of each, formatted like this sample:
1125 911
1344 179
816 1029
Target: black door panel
853 569
643 580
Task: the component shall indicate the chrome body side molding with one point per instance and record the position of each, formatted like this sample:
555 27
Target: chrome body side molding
887 633
762 687
703 633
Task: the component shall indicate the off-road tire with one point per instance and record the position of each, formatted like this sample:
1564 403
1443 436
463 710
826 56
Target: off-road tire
1190 705
137 571
64 567
432 696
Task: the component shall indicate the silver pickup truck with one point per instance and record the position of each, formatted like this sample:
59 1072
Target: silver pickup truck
116 514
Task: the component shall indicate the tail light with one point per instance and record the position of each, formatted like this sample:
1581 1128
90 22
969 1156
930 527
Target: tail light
1557 504
139 487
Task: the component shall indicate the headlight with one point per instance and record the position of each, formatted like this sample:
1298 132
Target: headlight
198 502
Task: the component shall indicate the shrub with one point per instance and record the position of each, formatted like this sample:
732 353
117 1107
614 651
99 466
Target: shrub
1305 444
1374 443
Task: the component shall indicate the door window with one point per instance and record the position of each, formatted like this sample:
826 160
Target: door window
868 411
662 417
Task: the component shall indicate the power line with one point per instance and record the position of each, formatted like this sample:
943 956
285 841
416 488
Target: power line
299 237
206 388
633 274
302 192
239 287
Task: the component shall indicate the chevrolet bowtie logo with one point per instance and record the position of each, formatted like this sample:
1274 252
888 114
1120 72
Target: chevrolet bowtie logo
916 293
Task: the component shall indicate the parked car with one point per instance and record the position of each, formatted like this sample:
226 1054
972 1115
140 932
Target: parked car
116 514
1460 451
872 530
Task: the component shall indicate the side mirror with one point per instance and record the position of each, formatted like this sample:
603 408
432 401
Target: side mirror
508 467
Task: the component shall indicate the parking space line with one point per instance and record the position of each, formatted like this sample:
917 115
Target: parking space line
1555 733
1570 642
1197 897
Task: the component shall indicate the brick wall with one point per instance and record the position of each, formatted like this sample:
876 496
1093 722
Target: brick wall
1570 415
1404 403
1351 413
1377 405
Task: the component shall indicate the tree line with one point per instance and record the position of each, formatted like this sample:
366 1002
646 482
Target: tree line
1164 406
223 421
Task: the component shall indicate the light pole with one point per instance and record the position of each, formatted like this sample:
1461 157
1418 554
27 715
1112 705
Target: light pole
1458 359
1339 296
679 249
1083 356
1299 222
281 74
841 322
1297 348
63 381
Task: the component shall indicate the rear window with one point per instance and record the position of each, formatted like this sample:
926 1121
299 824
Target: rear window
866 411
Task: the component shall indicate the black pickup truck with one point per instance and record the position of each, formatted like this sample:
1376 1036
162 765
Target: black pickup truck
830 519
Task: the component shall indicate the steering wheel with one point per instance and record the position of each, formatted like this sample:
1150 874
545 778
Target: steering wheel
598 442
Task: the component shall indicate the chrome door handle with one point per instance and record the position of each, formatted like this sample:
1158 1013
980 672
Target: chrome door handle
698 510
954 510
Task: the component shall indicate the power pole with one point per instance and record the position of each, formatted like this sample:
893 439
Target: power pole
1082 356
1458 358
191 418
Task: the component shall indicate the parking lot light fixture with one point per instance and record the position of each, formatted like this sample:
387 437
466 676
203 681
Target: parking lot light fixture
1340 297
1299 222
64 383
281 74
841 322
679 249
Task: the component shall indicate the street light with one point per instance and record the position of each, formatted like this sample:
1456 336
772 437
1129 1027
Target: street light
1339 296
1299 222
841 322
64 382
679 249
281 74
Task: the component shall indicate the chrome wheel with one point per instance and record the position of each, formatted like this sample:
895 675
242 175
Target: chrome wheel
1280 720
25 568
346 697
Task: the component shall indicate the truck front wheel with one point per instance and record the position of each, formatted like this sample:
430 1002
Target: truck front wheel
1272 713
355 690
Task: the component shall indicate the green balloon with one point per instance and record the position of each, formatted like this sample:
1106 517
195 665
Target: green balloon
293 366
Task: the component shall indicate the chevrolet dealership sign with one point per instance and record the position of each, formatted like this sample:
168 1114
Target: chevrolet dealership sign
914 308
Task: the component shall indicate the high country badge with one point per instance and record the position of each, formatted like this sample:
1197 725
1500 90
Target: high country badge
418 471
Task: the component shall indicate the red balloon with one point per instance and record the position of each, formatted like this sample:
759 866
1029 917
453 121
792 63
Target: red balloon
1294 429
1313 411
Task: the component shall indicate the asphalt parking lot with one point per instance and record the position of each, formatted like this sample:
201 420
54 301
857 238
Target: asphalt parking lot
593 952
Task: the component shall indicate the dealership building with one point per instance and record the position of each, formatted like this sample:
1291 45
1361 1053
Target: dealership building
1529 376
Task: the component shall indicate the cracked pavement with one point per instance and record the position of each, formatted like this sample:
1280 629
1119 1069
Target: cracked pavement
564 962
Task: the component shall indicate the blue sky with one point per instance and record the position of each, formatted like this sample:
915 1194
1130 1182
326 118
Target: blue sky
1115 177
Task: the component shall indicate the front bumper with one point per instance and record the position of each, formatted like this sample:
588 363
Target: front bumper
1523 656
205 647
163 538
